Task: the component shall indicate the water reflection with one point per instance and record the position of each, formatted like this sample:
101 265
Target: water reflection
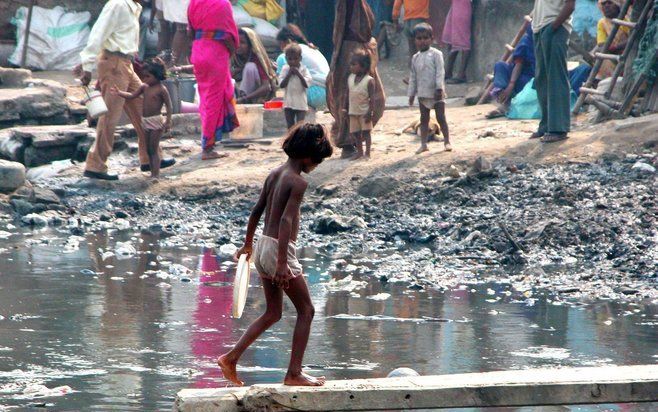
134 334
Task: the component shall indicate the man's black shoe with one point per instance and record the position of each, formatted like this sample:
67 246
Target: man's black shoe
99 175
164 163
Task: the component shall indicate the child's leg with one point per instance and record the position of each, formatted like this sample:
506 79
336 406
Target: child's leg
301 115
440 110
358 142
450 64
153 146
368 139
290 117
424 128
299 296
273 310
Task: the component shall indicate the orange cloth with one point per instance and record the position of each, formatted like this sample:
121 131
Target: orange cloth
413 9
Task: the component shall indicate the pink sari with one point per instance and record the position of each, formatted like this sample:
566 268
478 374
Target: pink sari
457 30
213 24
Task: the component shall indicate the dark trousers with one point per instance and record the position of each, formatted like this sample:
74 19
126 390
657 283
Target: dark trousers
552 79
294 116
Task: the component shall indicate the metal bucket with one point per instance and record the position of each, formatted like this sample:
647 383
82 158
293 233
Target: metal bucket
180 89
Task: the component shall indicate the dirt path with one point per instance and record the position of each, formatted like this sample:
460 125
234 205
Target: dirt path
471 134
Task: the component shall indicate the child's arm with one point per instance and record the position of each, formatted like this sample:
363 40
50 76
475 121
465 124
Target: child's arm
371 101
168 110
284 77
254 218
440 75
283 273
126 95
413 83
154 10
304 76
346 103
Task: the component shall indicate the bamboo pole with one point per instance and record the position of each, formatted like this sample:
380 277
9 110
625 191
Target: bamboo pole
507 56
597 65
26 37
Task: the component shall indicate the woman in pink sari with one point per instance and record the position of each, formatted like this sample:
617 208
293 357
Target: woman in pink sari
215 40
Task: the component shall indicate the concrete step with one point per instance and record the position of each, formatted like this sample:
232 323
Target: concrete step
565 386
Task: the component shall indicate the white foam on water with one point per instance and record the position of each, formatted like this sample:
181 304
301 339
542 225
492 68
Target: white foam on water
543 352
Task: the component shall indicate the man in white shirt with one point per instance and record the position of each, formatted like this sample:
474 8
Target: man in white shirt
551 25
112 43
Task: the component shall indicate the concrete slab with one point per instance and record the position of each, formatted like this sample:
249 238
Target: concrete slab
567 386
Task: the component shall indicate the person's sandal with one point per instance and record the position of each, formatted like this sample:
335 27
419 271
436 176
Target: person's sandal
554 137
494 114
447 147
537 135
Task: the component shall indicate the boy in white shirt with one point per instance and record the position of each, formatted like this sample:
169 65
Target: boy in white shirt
295 79
427 81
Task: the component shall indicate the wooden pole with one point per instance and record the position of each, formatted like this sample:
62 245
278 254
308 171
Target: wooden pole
507 56
26 37
597 65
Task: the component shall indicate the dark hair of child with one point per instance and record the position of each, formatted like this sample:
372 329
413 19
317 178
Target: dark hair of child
157 68
362 59
307 140
293 50
422 28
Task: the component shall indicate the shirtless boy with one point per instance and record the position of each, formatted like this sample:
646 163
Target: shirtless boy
155 96
307 145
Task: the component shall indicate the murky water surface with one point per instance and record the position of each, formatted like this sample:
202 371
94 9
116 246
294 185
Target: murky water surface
128 332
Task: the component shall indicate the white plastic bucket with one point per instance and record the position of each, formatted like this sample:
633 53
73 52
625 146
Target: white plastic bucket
95 104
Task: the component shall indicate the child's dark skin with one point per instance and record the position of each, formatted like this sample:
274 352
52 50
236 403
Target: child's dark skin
294 60
155 96
423 43
364 135
280 199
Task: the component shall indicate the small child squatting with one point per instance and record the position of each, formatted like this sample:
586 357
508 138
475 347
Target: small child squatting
295 79
155 96
307 145
360 106
427 81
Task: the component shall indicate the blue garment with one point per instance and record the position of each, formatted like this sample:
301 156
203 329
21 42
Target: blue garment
524 50
578 76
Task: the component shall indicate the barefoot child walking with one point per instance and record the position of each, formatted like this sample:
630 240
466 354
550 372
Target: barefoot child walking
307 145
295 79
360 106
427 81
155 96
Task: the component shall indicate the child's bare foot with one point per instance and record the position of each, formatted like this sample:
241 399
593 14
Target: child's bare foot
422 149
448 147
229 370
366 157
303 380
356 157
212 155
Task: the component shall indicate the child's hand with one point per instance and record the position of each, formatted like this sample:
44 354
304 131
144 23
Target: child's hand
114 91
438 94
282 276
411 100
167 127
244 250
367 117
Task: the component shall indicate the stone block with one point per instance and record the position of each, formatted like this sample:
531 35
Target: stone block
12 175
14 78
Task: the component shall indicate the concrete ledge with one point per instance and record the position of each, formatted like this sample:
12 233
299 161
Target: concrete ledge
566 386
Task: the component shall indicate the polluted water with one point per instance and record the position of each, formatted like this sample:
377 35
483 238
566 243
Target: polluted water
124 320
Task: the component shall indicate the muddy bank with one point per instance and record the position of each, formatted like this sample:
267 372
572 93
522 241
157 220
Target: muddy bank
577 229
